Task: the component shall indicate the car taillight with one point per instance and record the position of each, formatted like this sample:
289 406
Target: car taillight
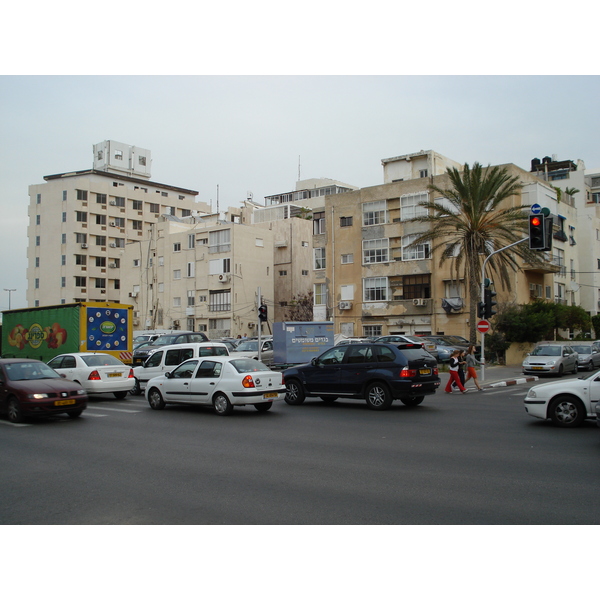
282 379
130 374
94 376
406 372
248 382
436 371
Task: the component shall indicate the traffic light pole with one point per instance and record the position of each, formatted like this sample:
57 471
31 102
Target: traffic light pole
483 297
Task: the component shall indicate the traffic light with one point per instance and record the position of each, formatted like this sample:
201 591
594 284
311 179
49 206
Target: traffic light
262 312
489 303
537 232
481 310
549 230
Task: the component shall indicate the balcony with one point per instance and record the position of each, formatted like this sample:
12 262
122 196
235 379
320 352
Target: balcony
548 264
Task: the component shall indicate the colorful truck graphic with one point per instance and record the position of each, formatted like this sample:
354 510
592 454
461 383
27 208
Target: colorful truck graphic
46 331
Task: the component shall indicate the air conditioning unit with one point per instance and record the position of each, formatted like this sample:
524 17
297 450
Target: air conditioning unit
136 322
345 305
420 301
84 246
251 325
133 294
112 245
113 202
113 223
224 278
112 265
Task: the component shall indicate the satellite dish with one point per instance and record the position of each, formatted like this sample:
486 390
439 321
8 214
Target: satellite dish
249 195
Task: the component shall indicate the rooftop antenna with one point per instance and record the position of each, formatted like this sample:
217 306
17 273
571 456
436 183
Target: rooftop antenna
298 167
217 198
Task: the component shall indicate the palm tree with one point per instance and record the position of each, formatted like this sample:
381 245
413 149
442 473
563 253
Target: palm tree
470 224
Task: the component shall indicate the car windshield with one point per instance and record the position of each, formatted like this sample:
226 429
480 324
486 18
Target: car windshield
547 351
583 349
248 365
100 360
165 340
248 346
441 342
456 339
25 371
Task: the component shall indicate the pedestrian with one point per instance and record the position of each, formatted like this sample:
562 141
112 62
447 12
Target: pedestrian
472 362
454 378
462 361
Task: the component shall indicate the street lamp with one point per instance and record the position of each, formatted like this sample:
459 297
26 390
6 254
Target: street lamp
9 292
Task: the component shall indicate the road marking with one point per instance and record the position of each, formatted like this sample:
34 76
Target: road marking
89 414
15 424
123 410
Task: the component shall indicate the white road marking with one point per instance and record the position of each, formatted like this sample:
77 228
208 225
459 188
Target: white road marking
123 410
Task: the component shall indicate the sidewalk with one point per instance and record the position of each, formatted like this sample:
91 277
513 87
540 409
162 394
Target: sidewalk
499 376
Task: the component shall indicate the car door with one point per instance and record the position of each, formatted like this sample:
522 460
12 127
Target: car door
66 366
153 367
358 361
205 381
323 376
570 358
176 386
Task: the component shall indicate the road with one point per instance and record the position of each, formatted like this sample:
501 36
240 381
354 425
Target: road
456 459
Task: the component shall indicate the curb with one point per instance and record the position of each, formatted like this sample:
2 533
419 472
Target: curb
510 382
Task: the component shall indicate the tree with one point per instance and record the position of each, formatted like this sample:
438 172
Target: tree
300 308
596 326
469 222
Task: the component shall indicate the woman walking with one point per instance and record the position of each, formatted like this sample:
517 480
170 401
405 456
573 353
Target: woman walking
454 378
462 361
472 362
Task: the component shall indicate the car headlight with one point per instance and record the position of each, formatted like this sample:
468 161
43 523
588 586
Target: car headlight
525 363
531 394
551 363
80 392
37 396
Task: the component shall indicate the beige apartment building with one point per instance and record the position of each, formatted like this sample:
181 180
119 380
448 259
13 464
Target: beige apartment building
80 223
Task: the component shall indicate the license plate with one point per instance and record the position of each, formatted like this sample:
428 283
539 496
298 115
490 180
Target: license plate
115 374
64 402
270 395
536 368
425 371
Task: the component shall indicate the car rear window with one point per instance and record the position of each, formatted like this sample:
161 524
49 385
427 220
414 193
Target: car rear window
98 360
248 365
415 354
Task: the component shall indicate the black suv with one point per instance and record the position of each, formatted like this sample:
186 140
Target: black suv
379 373
181 337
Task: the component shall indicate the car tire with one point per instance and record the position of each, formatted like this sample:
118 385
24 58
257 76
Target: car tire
263 406
155 399
136 390
221 404
378 396
561 371
13 410
73 414
415 401
120 395
329 399
575 368
566 411
294 392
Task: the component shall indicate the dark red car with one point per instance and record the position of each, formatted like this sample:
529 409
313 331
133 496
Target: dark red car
30 387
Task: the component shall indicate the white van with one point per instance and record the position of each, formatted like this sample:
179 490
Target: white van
168 357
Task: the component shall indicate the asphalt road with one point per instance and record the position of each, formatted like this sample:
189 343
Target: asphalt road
456 459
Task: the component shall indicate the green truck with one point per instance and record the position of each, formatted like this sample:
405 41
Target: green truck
44 332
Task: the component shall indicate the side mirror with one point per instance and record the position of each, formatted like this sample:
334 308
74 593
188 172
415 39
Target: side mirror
313 361
168 375
63 375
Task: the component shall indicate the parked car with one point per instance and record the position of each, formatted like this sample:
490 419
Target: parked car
31 387
444 347
588 355
167 358
98 373
353 340
182 337
249 348
409 339
565 403
231 343
219 381
597 408
551 358
377 373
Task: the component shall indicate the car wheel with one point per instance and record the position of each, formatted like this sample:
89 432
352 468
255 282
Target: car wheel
378 396
566 411
329 399
155 399
575 368
15 414
136 390
561 370
294 392
263 406
415 401
73 414
120 395
222 405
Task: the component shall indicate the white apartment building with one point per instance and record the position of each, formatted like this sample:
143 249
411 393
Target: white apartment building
80 223
201 273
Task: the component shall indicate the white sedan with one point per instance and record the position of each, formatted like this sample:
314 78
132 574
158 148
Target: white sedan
98 373
566 403
218 381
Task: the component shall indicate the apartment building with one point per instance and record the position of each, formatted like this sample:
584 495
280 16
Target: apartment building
201 273
80 223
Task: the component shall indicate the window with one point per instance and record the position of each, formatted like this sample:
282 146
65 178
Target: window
100 282
37 283
117 284
118 155
452 289
259 242
304 272
37 240
409 206
64 217
176 301
137 205
80 238
374 213
372 330
345 221
119 242
63 282
191 297
375 251
320 294
63 260
100 219
100 240
119 201
177 247
347 292
161 287
63 237
37 261
154 208
219 241
416 286
319 223
319 254
185 212
100 261
80 281
118 222
142 160
422 173
101 198
81 194
192 240
347 259
136 262
282 273
38 199
80 259
177 274
375 289
64 195
37 219
220 301
137 225
418 252
190 269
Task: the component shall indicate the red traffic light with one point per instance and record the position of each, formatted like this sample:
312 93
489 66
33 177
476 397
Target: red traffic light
536 221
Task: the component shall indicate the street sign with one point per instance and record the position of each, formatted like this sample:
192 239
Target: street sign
536 209
483 326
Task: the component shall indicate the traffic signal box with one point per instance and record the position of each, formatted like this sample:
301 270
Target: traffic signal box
537 232
262 312
488 304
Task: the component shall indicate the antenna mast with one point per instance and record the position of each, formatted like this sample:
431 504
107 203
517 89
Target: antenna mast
298 167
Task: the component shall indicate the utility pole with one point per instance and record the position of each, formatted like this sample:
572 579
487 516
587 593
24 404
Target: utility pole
9 293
